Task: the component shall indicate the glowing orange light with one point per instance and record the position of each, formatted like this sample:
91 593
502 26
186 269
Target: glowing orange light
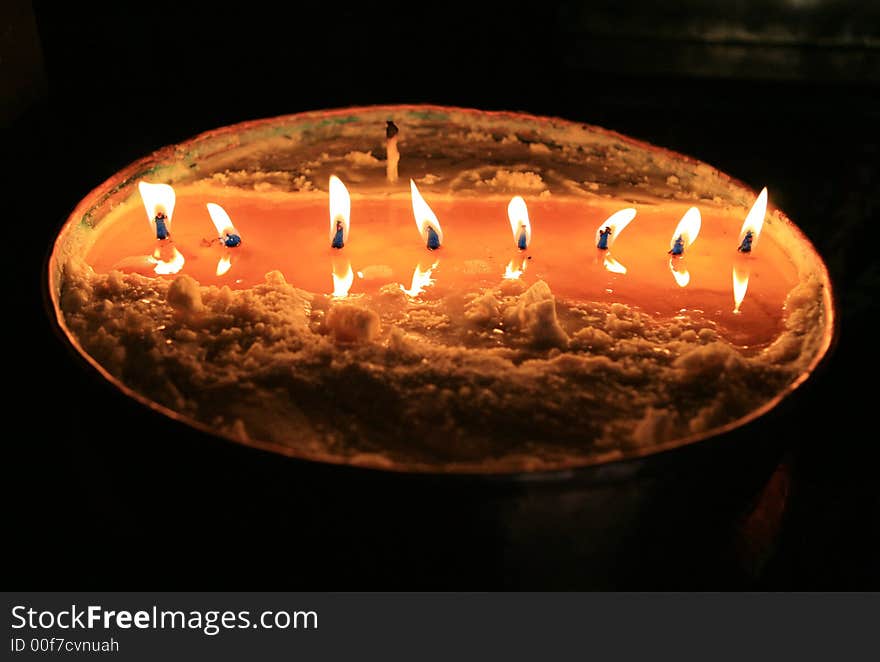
166 262
224 264
157 199
420 280
340 209
513 271
613 265
518 214
740 286
423 214
679 272
343 277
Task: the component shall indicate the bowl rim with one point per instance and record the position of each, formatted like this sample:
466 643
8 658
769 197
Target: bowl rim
602 467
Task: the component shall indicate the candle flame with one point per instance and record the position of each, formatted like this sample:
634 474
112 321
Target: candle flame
688 228
616 223
224 264
754 219
340 210
421 279
166 262
157 199
613 265
221 221
518 214
740 285
512 271
679 272
424 215
343 277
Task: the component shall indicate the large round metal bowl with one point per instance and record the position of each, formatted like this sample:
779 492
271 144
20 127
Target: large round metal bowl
280 149
584 526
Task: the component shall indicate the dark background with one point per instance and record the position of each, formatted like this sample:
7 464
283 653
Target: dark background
782 93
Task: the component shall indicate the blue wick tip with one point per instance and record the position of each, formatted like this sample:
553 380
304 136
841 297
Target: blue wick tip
677 247
232 240
338 241
746 245
161 228
433 239
603 238
521 242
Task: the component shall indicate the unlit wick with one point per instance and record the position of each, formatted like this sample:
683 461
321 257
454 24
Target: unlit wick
393 155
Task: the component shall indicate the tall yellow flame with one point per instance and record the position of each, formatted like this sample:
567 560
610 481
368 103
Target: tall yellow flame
754 221
518 214
157 198
688 228
423 214
616 222
340 208
221 220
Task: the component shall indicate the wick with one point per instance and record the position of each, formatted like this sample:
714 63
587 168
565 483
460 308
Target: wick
433 239
231 240
522 240
604 233
746 245
338 241
391 152
678 246
161 226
